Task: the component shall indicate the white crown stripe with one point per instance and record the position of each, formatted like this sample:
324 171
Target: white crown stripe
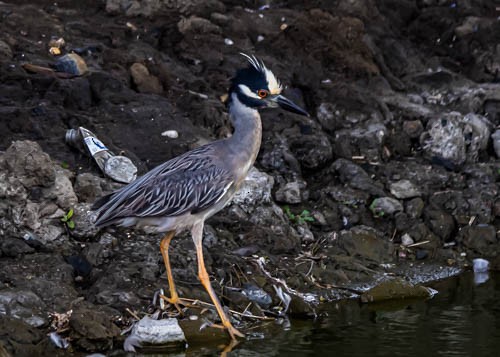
273 84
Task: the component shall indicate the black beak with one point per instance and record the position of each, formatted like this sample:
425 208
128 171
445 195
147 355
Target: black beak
287 104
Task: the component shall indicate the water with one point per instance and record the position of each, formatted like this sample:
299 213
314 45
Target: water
462 320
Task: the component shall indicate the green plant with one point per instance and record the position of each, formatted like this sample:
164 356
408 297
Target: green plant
376 211
67 219
303 217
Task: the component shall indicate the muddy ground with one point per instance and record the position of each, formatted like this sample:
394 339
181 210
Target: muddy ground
395 174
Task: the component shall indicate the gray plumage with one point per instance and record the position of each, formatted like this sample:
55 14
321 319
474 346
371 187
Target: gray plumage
189 183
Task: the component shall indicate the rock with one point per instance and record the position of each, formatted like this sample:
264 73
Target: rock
164 332
5 52
385 206
197 25
27 161
12 247
290 192
453 139
413 128
312 151
396 289
495 137
366 140
72 64
23 304
84 228
254 191
404 189
131 8
19 338
145 82
63 189
257 295
48 233
88 187
440 222
305 234
469 26
363 242
353 175
481 239
92 330
328 116
406 239
414 207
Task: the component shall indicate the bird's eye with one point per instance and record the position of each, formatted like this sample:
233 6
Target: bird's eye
262 93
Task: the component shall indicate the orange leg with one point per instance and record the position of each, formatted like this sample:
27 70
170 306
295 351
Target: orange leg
164 245
197 233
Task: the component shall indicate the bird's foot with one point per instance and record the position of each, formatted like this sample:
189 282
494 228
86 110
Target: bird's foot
233 332
176 302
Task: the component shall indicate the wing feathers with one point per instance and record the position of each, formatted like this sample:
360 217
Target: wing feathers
189 183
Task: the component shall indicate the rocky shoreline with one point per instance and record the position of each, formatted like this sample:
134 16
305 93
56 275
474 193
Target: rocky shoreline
394 178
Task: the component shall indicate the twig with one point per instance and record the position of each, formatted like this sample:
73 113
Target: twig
418 243
196 302
134 315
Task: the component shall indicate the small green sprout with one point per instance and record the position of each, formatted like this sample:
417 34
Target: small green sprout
303 217
377 211
67 219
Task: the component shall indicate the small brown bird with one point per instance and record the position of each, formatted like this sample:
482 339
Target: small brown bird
183 192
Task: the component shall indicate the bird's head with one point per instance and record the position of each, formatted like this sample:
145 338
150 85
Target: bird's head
257 87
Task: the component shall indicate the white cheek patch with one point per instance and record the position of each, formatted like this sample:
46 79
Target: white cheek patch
248 92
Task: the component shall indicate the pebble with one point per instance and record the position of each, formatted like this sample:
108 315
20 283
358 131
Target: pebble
72 64
172 134
404 189
383 206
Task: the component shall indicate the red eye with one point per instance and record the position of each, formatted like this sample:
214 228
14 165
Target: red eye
262 93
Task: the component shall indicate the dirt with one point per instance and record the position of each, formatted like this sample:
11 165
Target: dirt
394 174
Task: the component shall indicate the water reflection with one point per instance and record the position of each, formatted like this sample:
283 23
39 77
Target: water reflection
462 320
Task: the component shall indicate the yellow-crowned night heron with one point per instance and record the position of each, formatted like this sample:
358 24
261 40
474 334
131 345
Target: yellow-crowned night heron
183 192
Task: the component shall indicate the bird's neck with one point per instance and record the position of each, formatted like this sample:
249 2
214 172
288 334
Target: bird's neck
247 136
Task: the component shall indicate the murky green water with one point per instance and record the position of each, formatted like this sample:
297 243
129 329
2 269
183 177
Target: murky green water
462 320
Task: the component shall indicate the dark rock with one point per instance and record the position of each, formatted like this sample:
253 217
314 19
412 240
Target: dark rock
364 140
481 239
395 289
19 338
5 51
414 207
441 223
88 187
354 176
12 247
312 151
363 242
80 264
385 206
92 330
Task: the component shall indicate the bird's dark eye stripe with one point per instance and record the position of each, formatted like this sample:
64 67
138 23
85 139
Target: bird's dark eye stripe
262 93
